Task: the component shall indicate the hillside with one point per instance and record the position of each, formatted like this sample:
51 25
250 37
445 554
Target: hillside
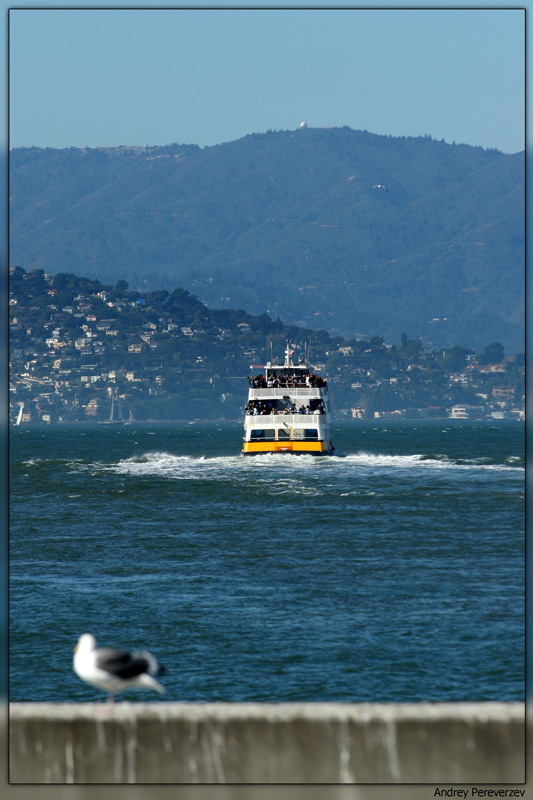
74 340
288 223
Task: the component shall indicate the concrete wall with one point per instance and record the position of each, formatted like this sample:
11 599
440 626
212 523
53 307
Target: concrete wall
267 743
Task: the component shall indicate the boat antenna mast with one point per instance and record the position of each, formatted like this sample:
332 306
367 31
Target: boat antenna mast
287 354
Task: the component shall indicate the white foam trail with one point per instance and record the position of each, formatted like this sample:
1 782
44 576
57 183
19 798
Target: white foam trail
419 461
378 460
280 467
166 464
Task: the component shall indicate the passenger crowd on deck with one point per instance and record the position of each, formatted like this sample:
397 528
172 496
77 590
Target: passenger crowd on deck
254 407
273 381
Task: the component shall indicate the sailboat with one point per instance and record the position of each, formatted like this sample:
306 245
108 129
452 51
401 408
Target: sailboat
116 416
19 416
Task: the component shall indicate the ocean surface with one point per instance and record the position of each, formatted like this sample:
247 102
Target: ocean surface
392 571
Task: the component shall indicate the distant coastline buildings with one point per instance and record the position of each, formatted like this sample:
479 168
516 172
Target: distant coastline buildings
73 342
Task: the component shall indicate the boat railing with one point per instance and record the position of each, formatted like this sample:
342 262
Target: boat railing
288 391
287 420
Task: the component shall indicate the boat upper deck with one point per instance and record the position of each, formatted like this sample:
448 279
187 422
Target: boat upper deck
288 375
282 392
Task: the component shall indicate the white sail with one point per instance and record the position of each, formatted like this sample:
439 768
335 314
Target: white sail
120 415
115 415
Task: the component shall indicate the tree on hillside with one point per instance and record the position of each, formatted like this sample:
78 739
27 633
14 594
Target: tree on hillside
492 354
454 358
410 349
121 287
158 297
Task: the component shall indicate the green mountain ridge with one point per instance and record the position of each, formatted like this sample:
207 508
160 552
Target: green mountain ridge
289 223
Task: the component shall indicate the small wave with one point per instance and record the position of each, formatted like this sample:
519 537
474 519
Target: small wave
419 460
357 494
382 460
149 463
167 464
155 458
47 462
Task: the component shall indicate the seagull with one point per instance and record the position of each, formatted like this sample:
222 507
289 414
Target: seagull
115 670
380 186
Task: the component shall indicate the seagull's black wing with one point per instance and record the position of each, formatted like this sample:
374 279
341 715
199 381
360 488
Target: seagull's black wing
122 663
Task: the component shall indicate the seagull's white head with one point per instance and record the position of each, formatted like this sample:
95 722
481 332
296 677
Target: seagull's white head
86 643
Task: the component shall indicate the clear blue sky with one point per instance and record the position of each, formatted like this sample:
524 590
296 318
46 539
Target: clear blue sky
136 77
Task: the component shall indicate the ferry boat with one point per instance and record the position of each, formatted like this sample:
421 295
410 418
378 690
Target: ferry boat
288 409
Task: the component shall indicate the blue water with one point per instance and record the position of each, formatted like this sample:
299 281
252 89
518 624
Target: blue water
392 572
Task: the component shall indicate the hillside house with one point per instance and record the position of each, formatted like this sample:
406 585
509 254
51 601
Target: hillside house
92 407
490 368
137 347
465 411
504 392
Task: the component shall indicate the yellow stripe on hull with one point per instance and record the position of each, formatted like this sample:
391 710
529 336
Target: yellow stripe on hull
253 448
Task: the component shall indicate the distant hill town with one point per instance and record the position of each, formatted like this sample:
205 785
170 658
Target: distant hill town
79 348
339 229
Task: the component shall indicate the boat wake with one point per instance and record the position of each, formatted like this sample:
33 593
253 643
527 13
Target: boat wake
184 467
172 466
420 461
